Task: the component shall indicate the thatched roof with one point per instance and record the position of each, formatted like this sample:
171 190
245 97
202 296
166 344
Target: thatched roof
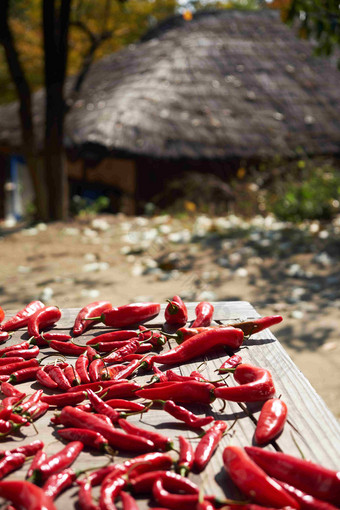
226 84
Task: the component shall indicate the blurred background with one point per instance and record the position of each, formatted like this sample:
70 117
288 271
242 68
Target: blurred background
158 147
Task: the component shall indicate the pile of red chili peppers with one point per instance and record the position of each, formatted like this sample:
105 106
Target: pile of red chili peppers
93 396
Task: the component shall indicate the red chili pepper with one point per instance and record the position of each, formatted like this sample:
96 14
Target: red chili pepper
208 444
25 495
110 346
4 378
33 399
257 325
101 407
271 420
204 312
256 384
320 482
57 462
170 500
14 347
113 336
25 374
42 319
95 369
38 459
71 375
59 377
185 392
61 365
119 403
65 399
9 361
144 348
160 376
6 427
176 312
5 412
7 370
253 481
82 323
21 318
10 391
96 386
129 503
109 373
92 353
2 314
28 449
89 438
155 337
37 410
58 482
186 456
24 353
67 348
48 336
85 501
119 354
200 344
4 336
111 487
182 334
128 315
81 366
143 483
17 420
10 463
43 378
185 415
230 363
120 390
161 442
116 438
306 501
173 376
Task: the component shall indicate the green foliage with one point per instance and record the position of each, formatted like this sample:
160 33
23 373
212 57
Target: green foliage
80 206
319 21
309 193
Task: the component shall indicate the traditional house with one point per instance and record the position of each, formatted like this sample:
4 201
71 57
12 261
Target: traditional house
207 94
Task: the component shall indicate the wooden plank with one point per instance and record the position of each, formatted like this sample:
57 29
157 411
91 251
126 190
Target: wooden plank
318 431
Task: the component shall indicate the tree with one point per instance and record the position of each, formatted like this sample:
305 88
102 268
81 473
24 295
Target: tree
50 182
317 20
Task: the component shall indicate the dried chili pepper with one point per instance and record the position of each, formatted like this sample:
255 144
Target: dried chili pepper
81 367
42 318
271 420
170 500
161 442
318 481
183 414
28 449
208 444
59 377
25 495
204 313
256 384
128 315
82 322
257 325
253 481
57 462
21 318
58 482
306 501
186 456
202 343
95 369
68 348
101 407
176 312
143 483
65 399
184 392
229 364
116 438
88 437
25 374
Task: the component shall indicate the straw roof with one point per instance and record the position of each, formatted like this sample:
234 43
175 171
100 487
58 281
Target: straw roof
228 84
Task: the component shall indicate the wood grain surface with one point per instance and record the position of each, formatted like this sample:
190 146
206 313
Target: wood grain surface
311 427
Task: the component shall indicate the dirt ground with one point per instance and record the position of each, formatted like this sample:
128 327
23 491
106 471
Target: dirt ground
279 268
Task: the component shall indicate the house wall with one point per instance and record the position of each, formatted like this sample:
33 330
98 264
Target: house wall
111 174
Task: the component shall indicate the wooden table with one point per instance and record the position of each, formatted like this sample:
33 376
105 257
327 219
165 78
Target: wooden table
311 427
